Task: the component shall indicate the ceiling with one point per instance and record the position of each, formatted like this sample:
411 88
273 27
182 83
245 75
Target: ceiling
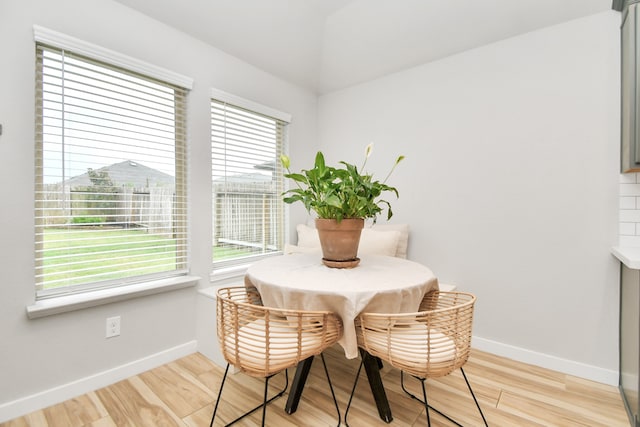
326 45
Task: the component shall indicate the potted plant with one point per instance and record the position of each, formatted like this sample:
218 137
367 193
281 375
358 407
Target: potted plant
342 198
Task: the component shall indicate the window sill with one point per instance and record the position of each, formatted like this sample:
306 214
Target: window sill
63 304
226 274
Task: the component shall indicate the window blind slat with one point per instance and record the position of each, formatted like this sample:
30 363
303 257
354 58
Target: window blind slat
110 204
247 183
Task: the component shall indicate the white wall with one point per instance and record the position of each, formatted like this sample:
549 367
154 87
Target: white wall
510 183
38 355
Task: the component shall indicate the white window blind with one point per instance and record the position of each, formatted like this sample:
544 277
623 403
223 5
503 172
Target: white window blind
111 194
247 180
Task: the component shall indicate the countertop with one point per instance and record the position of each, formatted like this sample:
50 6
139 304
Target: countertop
629 256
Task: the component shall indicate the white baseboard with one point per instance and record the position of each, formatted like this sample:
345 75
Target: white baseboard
566 366
43 399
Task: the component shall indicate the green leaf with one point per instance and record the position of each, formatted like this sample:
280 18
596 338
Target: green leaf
291 199
319 164
297 177
333 200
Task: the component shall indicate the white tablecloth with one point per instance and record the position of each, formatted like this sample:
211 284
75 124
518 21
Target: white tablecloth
378 284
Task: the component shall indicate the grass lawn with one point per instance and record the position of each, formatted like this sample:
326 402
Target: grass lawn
77 256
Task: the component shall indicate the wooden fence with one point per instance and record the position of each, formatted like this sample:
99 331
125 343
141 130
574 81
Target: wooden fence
246 215
150 208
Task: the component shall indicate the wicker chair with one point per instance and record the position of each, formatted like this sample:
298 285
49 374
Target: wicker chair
428 344
262 341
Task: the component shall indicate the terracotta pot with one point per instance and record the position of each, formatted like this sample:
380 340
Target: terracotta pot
339 241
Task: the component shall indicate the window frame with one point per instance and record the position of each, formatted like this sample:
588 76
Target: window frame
233 268
136 285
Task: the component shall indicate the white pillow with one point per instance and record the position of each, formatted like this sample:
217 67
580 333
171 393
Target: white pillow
372 241
378 242
403 241
307 236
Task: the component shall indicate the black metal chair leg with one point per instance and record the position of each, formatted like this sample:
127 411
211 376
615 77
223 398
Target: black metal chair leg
407 391
424 400
263 405
355 383
264 400
335 401
215 409
426 404
474 397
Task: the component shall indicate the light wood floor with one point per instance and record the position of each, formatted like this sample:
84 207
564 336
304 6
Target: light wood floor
182 393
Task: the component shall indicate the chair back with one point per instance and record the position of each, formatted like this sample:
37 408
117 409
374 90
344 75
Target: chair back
262 341
430 343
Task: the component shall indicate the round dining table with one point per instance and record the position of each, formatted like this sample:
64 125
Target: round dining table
381 284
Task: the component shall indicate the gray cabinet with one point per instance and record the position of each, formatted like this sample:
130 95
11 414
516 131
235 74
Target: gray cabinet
629 341
630 101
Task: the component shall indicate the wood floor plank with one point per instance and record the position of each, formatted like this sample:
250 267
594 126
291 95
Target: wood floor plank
551 415
82 410
571 403
128 407
97 403
594 393
195 363
37 418
212 378
199 418
103 422
182 393
58 414
152 398
17 422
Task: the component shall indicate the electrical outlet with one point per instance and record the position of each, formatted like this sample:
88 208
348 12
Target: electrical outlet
113 326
